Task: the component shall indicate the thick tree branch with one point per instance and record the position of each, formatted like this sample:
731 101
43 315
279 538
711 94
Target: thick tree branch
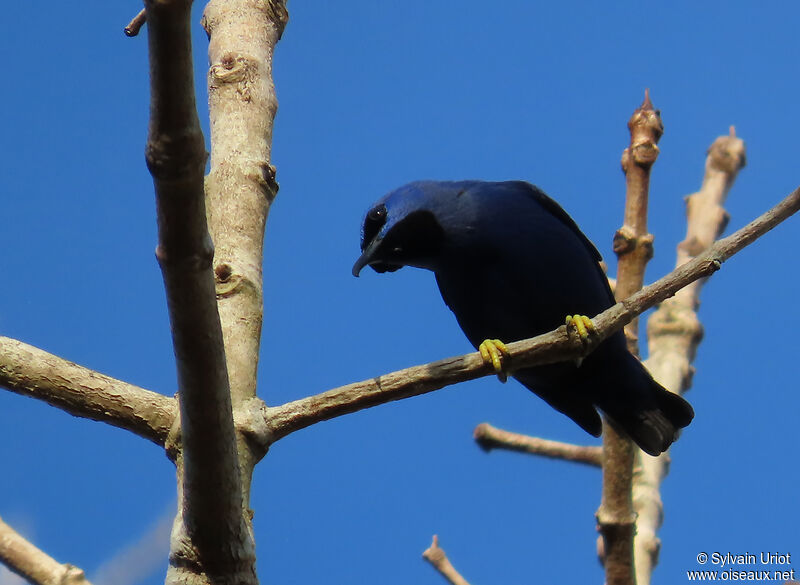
241 183
674 333
210 539
436 557
634 247
489 437
555 346
30 371
29 562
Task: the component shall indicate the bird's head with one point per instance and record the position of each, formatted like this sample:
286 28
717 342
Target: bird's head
407 227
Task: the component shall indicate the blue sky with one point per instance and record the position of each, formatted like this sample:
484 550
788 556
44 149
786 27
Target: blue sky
373 95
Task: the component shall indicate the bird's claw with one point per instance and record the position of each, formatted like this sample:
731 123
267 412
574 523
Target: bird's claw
582 327
493 351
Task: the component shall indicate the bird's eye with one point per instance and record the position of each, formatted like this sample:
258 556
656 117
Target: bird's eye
377 214
373 223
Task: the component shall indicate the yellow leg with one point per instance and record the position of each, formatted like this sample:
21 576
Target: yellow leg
493 351
583 327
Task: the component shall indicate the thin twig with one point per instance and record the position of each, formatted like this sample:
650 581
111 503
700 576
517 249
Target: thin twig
548 348
30 371
39 568
674 333
634 247
135 25
436 557
489 437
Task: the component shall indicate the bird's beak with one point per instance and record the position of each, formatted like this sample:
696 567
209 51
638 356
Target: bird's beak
367 256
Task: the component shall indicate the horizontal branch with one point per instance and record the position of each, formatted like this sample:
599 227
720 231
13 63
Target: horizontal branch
36 566
82 392
548 348
489 437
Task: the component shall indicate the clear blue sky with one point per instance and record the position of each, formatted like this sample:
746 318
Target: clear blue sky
373 95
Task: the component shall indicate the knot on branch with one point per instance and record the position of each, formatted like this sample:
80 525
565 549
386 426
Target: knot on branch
267 181
72 576
434 553
180 257
727 153
176 155
278 15
226 281
230 280
646 128
613 532
626 241
643 154
234 70
652 545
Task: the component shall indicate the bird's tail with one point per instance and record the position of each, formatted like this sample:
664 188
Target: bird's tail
651 417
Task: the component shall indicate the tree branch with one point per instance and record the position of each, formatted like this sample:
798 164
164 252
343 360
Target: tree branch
30 371
489 437
555 346
674 333
37 567
241 183
211 539
634 247
136 24
436 557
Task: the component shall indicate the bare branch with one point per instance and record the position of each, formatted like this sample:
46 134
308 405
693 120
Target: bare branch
135 25
632 244
489 437
27 561
674 333
241 183
634 247
30 371
436 557
212 538
548 348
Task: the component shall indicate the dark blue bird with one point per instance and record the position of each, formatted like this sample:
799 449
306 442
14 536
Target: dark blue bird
511 264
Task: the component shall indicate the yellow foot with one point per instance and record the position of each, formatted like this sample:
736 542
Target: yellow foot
583 327
493 351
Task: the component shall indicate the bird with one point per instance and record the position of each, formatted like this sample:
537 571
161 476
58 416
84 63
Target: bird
511 264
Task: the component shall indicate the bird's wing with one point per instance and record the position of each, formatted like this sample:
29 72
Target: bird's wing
558 212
